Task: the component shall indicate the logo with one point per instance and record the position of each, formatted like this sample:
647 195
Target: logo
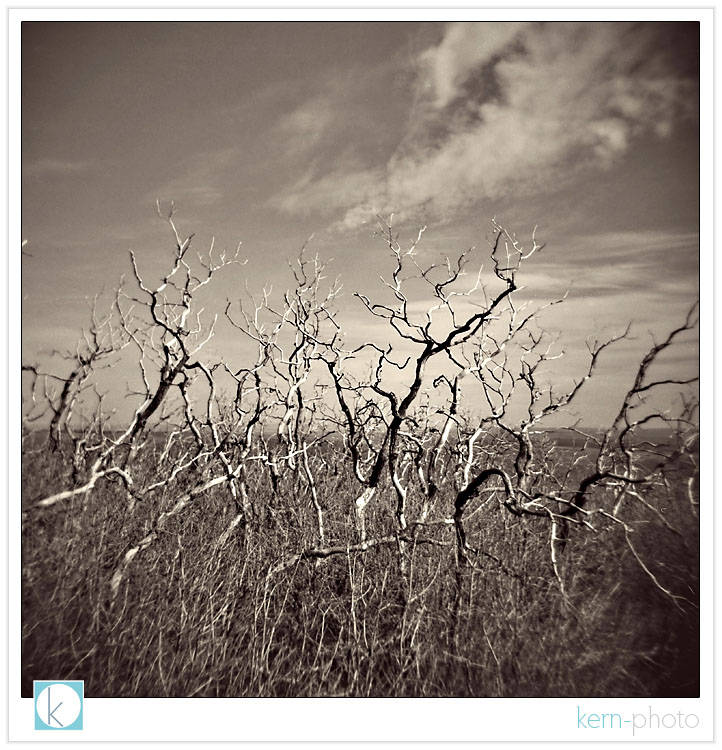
58 705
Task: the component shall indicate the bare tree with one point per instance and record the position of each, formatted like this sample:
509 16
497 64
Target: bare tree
485 335
417 447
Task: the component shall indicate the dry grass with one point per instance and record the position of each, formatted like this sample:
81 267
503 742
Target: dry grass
197 618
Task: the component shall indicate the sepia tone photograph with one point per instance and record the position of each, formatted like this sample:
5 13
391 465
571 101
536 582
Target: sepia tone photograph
361 358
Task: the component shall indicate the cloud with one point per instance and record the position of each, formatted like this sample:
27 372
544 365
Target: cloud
302 129
57 166
464 47
327 140
654 247
197 180
326 193
511 107
646 267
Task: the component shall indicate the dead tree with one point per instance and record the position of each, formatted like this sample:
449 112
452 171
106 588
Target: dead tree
161 322
490 341
415 445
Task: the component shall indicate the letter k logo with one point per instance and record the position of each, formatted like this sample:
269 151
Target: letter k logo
51 714
59 705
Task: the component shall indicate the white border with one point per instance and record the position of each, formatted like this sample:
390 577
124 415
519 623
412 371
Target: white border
321 720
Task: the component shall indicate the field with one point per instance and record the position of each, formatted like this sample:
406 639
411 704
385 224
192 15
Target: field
196 617
291 526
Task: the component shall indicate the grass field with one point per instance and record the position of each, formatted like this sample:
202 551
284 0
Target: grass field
199 615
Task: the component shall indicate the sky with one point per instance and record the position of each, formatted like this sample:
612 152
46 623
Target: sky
270 133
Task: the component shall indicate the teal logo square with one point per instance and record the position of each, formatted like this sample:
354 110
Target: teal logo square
58 705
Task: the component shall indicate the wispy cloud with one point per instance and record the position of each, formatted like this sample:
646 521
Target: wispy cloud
512 107
58 166
303 128
198 180
649 264
464 48
336 189
631 268
603 248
